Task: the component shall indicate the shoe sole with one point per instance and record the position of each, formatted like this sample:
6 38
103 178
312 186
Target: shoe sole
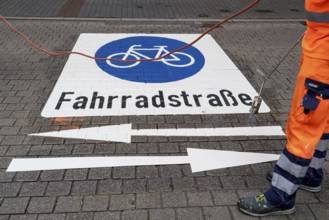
284 212
310 189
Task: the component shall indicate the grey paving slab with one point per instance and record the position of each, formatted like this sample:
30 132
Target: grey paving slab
5 176
199 199
171 171
68 204
148 172
18 150
233 182
14 205
323 196
52 175
5 161
134 215
39 149
303 212
123 172
213 213
82 216
174 199
51 216
148 200
184 184
41 205
134 186
224 197
107 215
109 186
208 183
83 149
58 188
159 185
76 174
95 203
3 149
9 189
23 217
4 217
33 189
189 213
84 188
320 210
122 202
162 214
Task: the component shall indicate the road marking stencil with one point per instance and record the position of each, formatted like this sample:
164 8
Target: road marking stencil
199 159
123 133
201 79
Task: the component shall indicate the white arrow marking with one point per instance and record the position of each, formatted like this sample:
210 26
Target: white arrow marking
199 159
123 133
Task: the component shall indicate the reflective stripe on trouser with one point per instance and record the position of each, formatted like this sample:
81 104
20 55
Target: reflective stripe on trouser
314 175
317 16
291 171
288 174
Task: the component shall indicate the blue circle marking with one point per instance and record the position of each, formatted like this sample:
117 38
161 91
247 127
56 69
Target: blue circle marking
178 66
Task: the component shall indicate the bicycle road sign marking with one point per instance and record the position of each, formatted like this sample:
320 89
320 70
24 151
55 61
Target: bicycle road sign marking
199 80
174 67
171 60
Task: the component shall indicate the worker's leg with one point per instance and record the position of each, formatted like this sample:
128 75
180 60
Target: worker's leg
304 131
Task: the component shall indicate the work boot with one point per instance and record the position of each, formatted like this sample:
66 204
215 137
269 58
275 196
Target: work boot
313 189
259 206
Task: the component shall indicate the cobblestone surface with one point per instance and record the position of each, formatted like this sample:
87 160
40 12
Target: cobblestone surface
153 192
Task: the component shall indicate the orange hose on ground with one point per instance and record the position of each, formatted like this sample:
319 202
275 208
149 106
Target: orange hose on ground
63 120
114 59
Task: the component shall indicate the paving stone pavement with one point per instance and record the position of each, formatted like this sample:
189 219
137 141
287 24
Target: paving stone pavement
27 78
159 9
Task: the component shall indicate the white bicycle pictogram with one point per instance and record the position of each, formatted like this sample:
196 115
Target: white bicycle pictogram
177 59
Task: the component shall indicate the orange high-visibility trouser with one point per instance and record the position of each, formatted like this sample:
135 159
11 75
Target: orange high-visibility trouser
305 130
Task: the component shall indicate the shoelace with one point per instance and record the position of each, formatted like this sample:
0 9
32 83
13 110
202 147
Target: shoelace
261 198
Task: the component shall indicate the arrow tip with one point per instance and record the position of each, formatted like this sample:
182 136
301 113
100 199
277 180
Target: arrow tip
115 133
203 160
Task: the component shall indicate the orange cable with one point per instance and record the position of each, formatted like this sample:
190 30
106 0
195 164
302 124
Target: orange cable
115 59
63 121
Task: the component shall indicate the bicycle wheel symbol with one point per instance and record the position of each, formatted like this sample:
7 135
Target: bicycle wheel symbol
123 56
180 60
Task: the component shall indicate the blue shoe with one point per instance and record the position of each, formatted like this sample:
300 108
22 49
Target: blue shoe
259 206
